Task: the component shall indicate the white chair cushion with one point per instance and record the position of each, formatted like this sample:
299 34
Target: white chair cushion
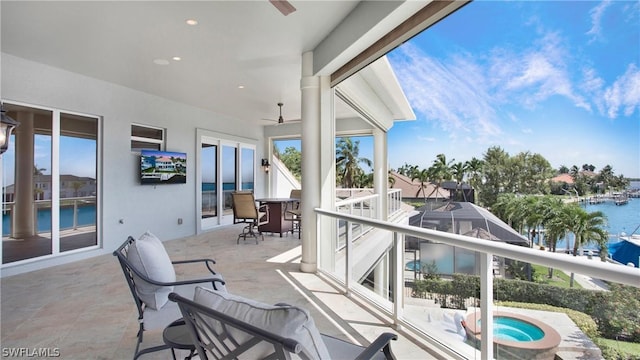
148 255
286 321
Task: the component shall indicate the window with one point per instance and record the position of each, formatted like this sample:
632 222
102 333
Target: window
146 137
52 197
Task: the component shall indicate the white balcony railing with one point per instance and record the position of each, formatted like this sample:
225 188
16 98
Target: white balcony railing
69 214
393 303
362 202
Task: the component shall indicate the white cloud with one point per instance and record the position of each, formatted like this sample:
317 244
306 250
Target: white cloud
451 93
467 94
624 94
536 74
595 33
527 131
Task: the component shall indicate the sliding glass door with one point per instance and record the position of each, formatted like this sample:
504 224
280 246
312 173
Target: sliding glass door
209 174
224 166
50 184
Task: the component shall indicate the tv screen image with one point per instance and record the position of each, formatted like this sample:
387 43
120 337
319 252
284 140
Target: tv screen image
163 167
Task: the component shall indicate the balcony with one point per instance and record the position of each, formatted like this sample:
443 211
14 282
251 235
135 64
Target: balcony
445 319
84 308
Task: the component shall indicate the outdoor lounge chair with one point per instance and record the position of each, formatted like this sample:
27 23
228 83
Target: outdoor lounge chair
151 277
293 212
226 326
246 211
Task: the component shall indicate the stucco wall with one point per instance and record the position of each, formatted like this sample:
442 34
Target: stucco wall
154 208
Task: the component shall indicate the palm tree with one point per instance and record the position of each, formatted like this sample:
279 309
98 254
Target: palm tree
606 176
503 207
348 161
407 170
440 171
574 172
459 171
474 170
363 180
556 224
587 228
423 176
37 170
76 185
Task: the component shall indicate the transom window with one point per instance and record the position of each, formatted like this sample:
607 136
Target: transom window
146 137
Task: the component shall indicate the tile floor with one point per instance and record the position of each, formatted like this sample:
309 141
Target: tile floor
85 310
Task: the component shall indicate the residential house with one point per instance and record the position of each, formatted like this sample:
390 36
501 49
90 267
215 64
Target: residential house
201 78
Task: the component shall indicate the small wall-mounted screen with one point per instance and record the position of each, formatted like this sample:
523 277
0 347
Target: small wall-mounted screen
163 167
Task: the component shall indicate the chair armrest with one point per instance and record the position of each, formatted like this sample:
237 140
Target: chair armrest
217 278
213 282
381 343
265 209
208 263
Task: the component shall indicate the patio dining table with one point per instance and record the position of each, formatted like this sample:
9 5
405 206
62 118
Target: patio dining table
277 207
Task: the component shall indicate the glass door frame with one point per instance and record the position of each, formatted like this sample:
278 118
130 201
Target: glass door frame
56 115
221 141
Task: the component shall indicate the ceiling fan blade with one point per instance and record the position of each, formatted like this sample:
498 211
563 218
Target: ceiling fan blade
280 120
283 6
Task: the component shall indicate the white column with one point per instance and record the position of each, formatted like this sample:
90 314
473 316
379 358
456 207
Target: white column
23 216
380 184
327 238
380 177
310 98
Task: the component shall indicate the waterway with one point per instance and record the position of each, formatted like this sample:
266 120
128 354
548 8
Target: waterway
86 217
621 219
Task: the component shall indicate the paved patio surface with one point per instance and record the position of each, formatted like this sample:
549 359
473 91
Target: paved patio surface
84 309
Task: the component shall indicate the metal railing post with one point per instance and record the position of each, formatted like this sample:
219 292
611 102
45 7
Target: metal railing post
398 279
348 259
75 214
486 305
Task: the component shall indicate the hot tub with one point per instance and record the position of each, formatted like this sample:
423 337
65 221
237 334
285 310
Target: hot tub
516 336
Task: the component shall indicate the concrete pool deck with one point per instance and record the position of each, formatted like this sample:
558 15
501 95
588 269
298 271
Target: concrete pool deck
429 317
574 344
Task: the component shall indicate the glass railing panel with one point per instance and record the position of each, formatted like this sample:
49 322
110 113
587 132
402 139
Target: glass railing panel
334 256
373 264
209 203
441 288
444 296
541 311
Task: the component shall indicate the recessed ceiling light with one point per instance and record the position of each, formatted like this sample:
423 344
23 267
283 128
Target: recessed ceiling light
161 62
177 58
192 22
240 86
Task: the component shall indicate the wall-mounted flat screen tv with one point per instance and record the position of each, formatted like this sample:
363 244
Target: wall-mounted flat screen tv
163 167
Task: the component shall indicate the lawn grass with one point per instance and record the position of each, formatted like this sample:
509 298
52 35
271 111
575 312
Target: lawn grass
559 279
628 349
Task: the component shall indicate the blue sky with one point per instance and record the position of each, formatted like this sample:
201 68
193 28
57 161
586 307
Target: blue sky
558 78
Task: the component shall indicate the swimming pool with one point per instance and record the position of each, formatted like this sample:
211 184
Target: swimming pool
516 335
513 329
413 265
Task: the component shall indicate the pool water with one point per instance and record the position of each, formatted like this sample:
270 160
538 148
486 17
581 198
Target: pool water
512 329
414 265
